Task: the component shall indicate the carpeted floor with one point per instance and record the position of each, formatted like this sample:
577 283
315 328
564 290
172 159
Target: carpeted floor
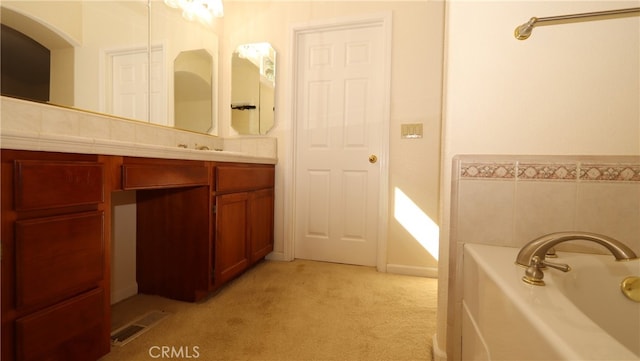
301 310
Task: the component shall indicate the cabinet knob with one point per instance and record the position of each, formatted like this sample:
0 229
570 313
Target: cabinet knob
373 158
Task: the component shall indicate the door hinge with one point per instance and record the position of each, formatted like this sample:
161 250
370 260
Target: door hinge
214 209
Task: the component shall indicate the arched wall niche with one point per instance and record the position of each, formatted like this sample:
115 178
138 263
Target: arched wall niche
60 44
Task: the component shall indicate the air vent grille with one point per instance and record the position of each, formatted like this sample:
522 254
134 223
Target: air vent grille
140 325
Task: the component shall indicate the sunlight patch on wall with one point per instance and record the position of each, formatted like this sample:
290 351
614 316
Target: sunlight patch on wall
416 222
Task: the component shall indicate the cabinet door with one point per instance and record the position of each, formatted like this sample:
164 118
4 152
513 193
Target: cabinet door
232 256
261 223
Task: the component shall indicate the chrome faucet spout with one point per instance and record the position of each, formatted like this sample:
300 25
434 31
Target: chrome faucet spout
533 254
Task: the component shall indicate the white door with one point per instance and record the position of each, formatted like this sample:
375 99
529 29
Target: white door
132 79
341 119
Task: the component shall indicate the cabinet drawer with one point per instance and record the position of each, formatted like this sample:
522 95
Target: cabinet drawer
58 256
241 178
46 184
71 330
140 176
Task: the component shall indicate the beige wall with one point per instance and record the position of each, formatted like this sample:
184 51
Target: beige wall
568 89
415 97
68 23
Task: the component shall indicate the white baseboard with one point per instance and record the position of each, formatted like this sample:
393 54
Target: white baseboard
277 256
430 272
124 293
438 353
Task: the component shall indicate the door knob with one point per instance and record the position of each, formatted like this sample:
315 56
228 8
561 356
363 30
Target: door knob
373 158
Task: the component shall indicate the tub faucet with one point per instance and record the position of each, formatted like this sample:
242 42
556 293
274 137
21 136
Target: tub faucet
533 254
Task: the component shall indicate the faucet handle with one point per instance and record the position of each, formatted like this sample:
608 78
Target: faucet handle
560 266
534 275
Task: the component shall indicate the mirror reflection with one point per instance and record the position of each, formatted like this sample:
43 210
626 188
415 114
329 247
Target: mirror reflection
253 71
192 72
113 57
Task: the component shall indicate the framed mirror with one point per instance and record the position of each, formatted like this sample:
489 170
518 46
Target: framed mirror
112 57
253 75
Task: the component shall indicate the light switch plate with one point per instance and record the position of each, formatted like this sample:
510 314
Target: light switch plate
411 131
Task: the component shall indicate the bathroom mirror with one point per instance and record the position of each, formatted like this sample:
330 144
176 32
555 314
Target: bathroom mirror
193 95
114 57
253 74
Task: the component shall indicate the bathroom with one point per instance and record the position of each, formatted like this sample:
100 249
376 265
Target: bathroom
568 90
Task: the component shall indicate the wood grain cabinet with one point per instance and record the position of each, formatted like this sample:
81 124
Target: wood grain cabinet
244 218
199 224
55 301
173 230
261 203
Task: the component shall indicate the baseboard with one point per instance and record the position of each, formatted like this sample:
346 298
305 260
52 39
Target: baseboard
277 256
124 293
438 353
430 272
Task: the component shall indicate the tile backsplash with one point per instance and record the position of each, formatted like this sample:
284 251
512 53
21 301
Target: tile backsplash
510 200
37 126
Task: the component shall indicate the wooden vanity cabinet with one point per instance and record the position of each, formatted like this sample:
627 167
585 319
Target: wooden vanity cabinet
173 229
55 258
244 200
199 224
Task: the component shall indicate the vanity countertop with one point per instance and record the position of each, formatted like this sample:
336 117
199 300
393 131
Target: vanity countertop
41 127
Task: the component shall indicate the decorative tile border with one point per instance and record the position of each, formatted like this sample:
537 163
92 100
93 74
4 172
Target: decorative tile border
488 170
551 171
610 172
536 171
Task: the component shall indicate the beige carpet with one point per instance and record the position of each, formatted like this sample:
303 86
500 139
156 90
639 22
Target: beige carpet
299 310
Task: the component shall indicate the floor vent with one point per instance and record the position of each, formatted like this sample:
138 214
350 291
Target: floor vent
142 324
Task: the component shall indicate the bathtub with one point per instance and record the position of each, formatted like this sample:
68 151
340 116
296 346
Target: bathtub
578 315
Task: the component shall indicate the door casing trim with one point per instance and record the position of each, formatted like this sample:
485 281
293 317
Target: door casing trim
380 19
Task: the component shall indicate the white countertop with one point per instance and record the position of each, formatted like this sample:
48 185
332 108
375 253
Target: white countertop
41 127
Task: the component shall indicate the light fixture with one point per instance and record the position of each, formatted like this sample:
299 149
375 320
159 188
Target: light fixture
202 10
262 56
